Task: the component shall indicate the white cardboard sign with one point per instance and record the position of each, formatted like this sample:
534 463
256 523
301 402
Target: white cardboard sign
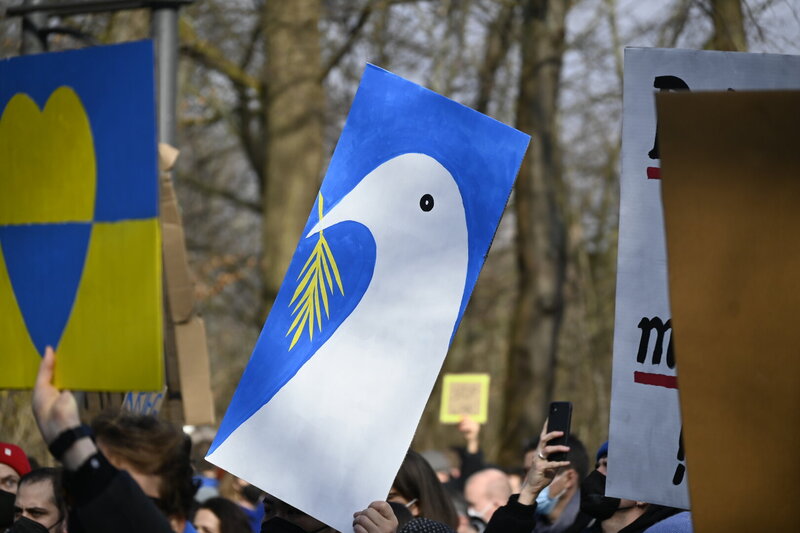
646 459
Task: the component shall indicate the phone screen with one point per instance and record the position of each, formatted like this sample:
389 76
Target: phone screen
559 420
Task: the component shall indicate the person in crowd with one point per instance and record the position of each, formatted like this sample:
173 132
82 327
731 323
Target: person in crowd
486 491
402 514
13 465
518 515
280 517
454 465
619 515
601 460
220 515
417 487
156 454
40 500
102 497
558 504
206 475
248 497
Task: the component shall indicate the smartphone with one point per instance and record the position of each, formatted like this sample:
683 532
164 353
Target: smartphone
559 420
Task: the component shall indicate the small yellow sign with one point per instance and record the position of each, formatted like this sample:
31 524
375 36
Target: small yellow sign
464 395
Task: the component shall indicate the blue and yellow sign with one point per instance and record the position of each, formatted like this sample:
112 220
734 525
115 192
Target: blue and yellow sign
80 245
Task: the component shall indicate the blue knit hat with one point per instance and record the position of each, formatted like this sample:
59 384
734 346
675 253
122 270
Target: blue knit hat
603 451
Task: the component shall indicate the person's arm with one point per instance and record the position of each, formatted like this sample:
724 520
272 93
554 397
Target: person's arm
102 498
377 518
471 455
519 514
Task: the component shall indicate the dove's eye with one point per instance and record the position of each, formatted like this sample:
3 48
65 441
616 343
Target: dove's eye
426 202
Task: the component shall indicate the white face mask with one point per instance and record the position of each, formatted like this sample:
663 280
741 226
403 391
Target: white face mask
546 503
479 514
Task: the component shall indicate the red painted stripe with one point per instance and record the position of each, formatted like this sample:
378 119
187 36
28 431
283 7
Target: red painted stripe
659 380
654 173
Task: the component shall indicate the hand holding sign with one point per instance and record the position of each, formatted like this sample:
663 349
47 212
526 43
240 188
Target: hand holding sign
57 411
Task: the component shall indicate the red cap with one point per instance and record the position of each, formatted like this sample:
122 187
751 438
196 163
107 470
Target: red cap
13 456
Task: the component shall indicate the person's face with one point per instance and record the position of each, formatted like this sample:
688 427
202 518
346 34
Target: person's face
478 502
274 507
602 465
206 522
9 479
36 501
396 497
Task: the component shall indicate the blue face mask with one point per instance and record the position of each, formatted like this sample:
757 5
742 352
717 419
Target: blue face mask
545 503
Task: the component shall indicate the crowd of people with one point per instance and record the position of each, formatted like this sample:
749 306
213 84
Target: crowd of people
131 472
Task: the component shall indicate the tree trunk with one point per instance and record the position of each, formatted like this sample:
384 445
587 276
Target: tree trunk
541 238
294 132
728 26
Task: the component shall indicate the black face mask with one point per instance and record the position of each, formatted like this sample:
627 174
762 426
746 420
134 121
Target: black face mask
251 493
279 525
26 525
6 509
594 502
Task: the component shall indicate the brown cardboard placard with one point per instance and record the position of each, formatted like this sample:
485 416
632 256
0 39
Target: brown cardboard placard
189 399
731 199
198 403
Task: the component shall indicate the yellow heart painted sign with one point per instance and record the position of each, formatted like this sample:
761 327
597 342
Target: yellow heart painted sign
80 244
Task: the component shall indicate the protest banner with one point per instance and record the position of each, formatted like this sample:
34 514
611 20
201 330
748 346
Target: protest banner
349 354
464 395
646 458
80 250
731 198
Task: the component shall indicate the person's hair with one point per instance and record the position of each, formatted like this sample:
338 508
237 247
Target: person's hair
152 447
231 517
577 457
52 475
416 479
199 452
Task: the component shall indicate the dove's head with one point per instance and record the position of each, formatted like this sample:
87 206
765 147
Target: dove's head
411 198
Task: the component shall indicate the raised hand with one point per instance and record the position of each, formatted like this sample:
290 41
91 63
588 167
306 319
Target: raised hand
542 471
377 518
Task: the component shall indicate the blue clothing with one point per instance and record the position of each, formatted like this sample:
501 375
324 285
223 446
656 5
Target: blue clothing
677 523
255 517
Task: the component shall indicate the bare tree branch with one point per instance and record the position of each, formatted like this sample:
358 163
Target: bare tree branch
205 188
212 57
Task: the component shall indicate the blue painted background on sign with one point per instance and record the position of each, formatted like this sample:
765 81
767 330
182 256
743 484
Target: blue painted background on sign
119 88
390 116
35 248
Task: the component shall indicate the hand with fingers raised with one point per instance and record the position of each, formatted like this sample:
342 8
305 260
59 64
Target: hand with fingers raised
56 414
543 470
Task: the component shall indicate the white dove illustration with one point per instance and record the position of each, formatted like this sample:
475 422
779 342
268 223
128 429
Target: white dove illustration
333 437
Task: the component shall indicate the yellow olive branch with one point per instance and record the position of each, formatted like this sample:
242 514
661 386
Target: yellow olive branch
318 268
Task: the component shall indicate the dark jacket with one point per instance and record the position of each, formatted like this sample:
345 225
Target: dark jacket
103 499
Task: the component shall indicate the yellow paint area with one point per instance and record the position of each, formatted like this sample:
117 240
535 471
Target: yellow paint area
48 170
118 305
19 360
